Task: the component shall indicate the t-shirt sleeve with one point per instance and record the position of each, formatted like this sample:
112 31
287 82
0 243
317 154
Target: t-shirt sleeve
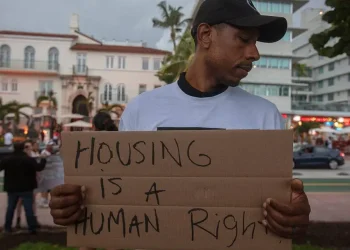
128 120
274 120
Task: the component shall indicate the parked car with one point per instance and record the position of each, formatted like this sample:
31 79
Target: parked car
318 156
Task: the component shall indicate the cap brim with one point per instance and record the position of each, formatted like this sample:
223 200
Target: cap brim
272 28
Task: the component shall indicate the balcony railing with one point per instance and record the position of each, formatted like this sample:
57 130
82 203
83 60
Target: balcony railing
80 69
30 65
123 99
320 106
307 74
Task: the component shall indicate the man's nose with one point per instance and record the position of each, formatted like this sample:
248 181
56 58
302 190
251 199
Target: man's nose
253 53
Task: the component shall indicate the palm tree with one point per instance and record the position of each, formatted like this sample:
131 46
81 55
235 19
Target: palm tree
49 97
175 64
172 18
14 108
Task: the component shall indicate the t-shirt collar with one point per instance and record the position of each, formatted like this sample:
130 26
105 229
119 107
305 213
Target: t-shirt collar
186 87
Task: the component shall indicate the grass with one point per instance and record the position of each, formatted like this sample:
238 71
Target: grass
45 246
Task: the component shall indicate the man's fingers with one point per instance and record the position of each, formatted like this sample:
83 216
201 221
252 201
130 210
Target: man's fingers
68 221
286 232
291 209
60 202
65 213
66 189
297 186
286 221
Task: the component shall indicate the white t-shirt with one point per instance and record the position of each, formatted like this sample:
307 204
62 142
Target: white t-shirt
8 137
169 107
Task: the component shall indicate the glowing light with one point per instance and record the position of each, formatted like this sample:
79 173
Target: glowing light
341 119
296 118
321 12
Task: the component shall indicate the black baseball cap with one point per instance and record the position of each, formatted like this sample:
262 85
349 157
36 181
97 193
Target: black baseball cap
240 14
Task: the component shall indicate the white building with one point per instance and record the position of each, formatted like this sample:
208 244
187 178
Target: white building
76 67
272 76
327 85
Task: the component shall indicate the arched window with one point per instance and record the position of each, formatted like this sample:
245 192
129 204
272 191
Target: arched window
29 57
107 93
121 93
53 59
5 56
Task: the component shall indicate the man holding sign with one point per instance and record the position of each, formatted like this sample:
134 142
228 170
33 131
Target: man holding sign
207 97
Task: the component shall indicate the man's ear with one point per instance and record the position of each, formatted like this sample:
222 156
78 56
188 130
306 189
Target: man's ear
204 35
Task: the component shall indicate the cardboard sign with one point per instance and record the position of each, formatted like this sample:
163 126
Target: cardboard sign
178 189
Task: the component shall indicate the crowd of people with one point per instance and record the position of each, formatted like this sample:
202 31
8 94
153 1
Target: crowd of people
30 174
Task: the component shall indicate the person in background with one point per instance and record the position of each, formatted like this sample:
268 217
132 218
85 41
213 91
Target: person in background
8 138
19 183
44 199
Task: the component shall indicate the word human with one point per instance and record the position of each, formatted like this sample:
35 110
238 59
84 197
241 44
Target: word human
106 220
140 152
235 225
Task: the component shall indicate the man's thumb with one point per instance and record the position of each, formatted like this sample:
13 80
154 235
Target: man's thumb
297 186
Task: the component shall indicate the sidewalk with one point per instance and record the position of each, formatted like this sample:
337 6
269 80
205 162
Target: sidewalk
326 207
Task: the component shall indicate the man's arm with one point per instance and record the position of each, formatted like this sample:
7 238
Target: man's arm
38 166
3 164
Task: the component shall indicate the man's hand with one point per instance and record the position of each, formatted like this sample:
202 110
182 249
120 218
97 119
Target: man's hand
288 220
67 204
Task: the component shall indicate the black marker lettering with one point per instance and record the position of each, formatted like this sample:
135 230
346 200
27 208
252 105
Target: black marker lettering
77 155
103 144
92 224
164 147
127 163
111 180
83 221
92 151
116 220
246 228
153 154
148 222
102 188
143 156
135 223
193 224
234 227
201 155
154 187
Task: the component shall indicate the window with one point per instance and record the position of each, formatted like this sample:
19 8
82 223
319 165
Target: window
320 84
320 70
121 62
288 36
4 84
319 98
266 89
107 93
348 77
81 63
330 81
142 88
29 57
5 56
109 62
331 66
157 86
14 85
45 87
273 62
156 63
53 59
121 97
330 97
145 63
321 150
275 7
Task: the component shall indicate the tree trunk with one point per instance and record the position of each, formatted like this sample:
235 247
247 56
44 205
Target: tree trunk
173 38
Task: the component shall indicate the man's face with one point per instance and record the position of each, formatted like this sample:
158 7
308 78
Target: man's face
230 52
28 147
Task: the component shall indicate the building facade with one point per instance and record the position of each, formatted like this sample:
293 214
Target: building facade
327 80
74 69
